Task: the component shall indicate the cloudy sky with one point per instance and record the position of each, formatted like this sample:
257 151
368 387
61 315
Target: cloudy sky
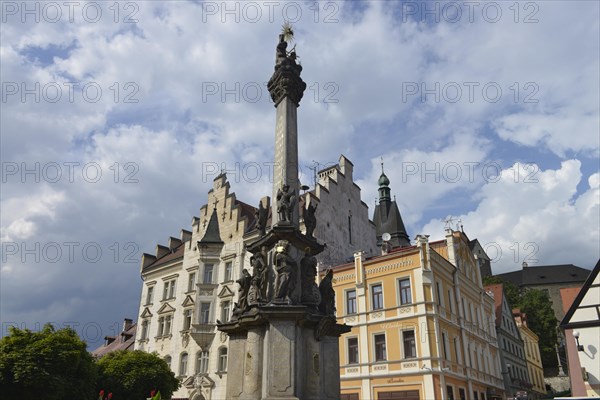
116 116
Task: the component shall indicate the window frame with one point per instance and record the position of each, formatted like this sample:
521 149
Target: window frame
202 312
191 282
208 269
183 364
402 290
202 361
222 365
380 296
150 295
375 347
228 271
355 350
187 318
413 345
348 299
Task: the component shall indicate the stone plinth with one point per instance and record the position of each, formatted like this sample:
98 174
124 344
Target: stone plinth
283 352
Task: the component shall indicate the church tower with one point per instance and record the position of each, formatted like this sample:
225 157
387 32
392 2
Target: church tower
387 217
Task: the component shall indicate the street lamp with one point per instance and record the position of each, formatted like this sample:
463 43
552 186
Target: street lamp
576 335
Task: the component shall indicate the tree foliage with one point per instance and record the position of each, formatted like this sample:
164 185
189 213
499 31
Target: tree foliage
50 364
541 320
134 374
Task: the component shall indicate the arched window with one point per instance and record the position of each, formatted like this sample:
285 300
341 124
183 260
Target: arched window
223 359
183 364
202 362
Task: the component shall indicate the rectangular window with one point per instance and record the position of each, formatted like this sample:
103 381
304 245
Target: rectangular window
208 273
223 359
150 295
192 282
353 350
228 271
408 338
183 365
225 307
377 296
405 293
145 326
204 313
439 293
161 326
351 302
187 319
169 290
167 325
462 394
380 351
202 362
450 392
475 396
444 349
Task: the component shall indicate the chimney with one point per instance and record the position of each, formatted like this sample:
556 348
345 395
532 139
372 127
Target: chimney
525 265
108 340
127 324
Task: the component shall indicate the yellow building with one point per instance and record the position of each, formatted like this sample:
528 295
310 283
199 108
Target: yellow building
532 355
422 325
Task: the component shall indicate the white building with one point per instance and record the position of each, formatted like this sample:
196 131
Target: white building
190 283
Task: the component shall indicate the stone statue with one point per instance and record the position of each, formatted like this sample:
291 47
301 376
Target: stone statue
281 53
308 273
253 293
260 272
261 215
327 305
310 220
285 202
244 283
285 266
264 277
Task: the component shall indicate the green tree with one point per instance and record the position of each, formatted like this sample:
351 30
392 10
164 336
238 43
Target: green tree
541 320
50 364
134 374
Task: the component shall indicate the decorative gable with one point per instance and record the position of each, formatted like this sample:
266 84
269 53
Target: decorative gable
225 292
146 313
166 308
188 302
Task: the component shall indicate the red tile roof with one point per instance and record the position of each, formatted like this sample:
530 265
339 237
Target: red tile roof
497 291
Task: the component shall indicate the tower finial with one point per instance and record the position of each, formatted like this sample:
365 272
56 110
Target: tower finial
382 164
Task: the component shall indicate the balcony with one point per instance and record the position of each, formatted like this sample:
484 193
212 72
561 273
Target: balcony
203 334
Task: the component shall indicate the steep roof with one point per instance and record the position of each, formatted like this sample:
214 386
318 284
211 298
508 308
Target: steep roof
387 219
546 275
212 234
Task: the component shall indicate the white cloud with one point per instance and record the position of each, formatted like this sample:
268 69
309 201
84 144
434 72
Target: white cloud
542 222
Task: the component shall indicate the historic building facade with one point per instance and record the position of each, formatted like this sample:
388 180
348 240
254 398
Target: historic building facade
510 343
422 324
190 283
535 369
